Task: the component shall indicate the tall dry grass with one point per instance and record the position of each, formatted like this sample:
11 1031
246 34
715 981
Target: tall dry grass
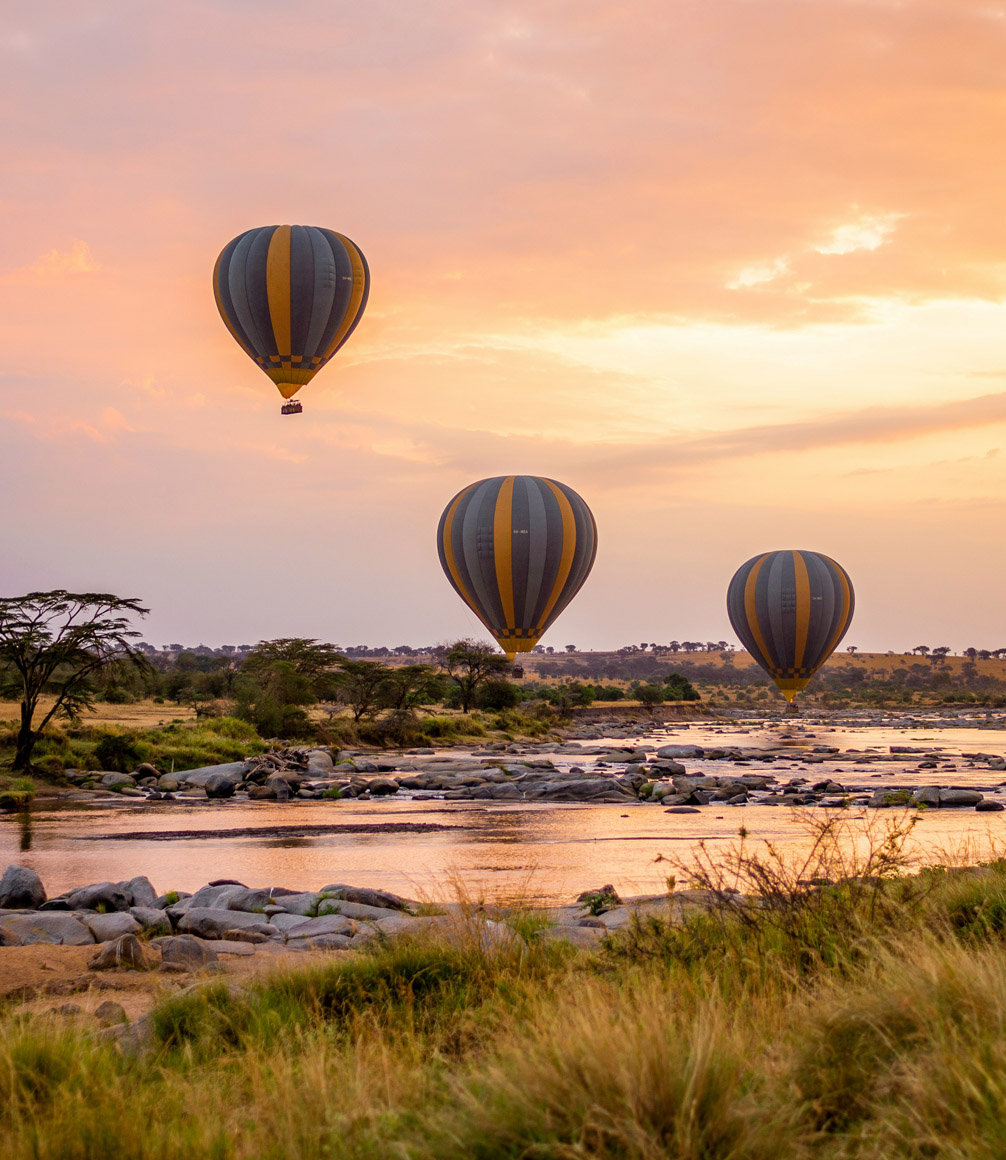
732 1035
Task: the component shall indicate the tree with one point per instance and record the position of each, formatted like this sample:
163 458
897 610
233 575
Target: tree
678 687
850 649
273 700
406 684
58 643
359 684
469 664
922 649
309 658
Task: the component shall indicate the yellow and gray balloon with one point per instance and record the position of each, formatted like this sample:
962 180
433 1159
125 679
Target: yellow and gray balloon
790 610
517 549
291 296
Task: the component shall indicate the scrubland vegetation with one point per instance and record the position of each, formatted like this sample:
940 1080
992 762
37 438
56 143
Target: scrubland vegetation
859 1017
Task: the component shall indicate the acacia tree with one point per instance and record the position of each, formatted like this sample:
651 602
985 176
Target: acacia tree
469 664
56 643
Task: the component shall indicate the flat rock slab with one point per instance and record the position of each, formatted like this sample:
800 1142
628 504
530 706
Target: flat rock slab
108 927
234 771
212 922
53 926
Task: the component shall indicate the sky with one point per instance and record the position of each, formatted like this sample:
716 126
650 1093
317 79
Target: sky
734 270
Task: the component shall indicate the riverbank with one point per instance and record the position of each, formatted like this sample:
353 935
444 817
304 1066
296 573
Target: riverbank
859 1018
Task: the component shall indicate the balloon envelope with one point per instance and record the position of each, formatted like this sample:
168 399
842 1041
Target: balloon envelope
517 549
291 296
790 610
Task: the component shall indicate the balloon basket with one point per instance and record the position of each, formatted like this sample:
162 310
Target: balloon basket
291 408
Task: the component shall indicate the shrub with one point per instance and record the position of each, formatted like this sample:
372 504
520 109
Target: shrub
499 694
116 751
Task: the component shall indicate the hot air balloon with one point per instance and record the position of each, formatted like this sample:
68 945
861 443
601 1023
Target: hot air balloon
517 549
790 610
291 296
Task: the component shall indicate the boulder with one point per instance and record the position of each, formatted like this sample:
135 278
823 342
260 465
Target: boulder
928 795
365 896
100 895
151 919
139 891
381 786
328 924
21 889
259 793
989 807
108 927
167 782
187 952
53 927
124 952
218 786
682 810
322 942
145 769
279 786
244 936
681 751
111 780
212 922
110 1013
233 770
957 798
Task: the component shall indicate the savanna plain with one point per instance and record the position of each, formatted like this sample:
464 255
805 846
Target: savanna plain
839 996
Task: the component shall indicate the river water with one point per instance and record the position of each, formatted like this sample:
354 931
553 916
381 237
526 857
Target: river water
500 850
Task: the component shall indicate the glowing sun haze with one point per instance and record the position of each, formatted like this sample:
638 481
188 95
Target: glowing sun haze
733 269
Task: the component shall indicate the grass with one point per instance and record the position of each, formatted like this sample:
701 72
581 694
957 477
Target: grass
177 745
732 1035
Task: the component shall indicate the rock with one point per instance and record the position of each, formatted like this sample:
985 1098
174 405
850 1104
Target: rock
124 952
107 927
103 895
152 920
109 1013
327 942
366 897
145 769
986 806
218 786
280 788
21 889
682 810
928 795
681 751
259 793
139 891
960 797
167 782
233 770
212 922
328 924
246 936
380 786
186 952
48 927
110 780
66 1009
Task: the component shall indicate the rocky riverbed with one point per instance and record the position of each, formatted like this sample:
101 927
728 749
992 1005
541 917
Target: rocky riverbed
790 770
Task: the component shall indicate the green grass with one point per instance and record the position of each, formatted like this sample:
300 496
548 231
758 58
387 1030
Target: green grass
865 1019
183 744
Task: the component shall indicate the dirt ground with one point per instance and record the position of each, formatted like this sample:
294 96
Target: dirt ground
39 979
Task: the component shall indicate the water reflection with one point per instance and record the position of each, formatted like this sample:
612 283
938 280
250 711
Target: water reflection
24 825
554 851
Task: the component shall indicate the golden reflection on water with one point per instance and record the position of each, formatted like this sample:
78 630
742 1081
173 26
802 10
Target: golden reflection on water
497 850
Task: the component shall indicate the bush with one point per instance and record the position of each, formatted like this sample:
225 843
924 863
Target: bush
499 694
116 751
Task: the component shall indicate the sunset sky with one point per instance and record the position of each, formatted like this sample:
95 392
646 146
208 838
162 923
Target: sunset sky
735 270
